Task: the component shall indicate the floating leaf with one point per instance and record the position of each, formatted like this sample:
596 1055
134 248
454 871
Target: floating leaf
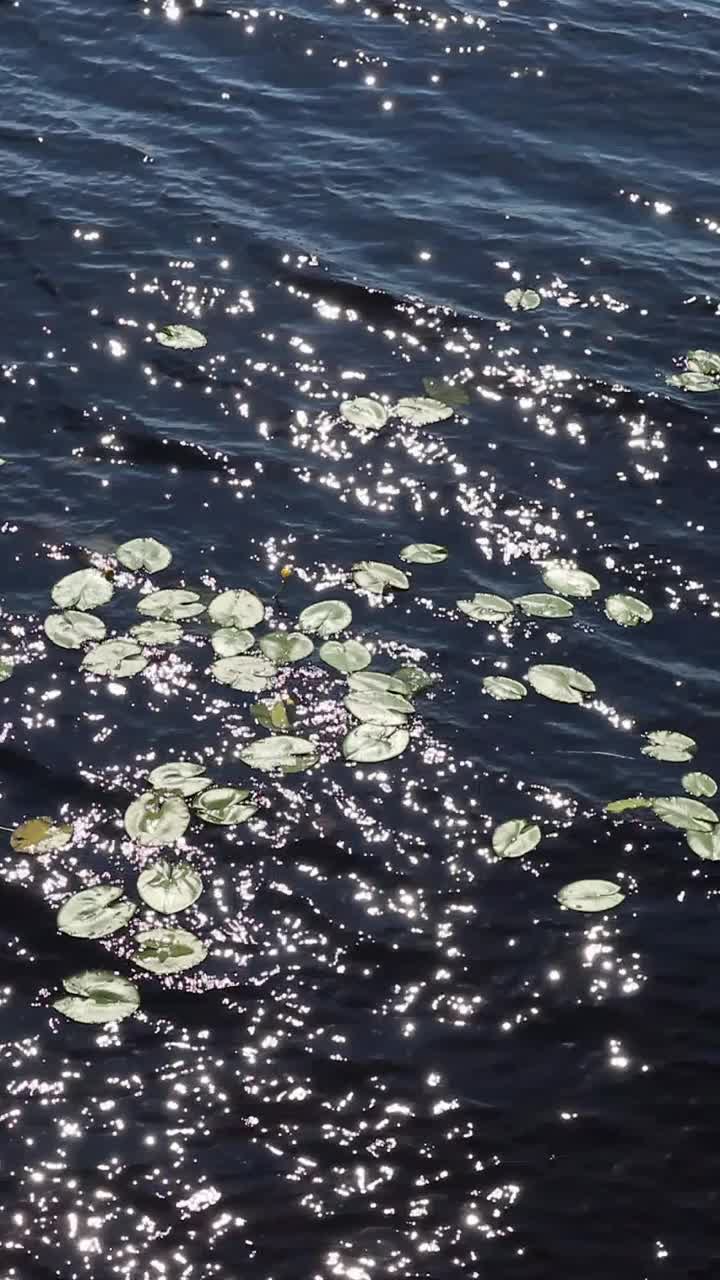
632 802
504 689
289 754
699 784
486 608
326 618
157 819
225 806
98 996
436 389
542 606
157 632
86 589
379 707
277 716
707 362
40 836
119 658
591 895
422 411
282 647
249 675
169 887
424 553
664 744
689 815
345 655
693 382
240 609
362 412
702 372
166 950
368 683
523 299
144 554
414 680
181 337
96 912
627 611
562 684
73 629
229 642
515 838
179 777
374 575
371 743
171 606
706 844
6 668
566 580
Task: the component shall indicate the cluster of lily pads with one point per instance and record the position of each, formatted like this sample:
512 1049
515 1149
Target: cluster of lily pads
701 372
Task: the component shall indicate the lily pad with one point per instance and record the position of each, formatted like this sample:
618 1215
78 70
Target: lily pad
539 605
414 680
241 609
73 629
181 337
706 844
179 777
627 611
631 802
523 299
422 411
445 392
515 838
699 784
681 811
86 589
7 666
229 642
248 675
118 658
144 554
286 753
566 580
225 806
278 716
591 895
157 632
362 412
168 950
97 996
693 382
157 819
169 887
326 618
171 606
375 575
707 362
345 655
282 647
380 708
40 836
503 689
562 684
96 912
702 372
665 744
371 743
424 553
486 608
370 683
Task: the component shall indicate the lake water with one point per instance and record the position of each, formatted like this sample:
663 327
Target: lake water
401 1057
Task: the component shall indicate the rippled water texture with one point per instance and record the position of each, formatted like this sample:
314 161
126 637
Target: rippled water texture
402 1058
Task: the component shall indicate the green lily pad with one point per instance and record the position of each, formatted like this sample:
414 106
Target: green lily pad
376 576
681 811
40 836
168 950
627 611
422 411
86 589
631 802
562 684
144 554
241 609
73 629
286 753
379 707
326 618
413 679
169 887
7 666
282 647
539 605
503 689
230 642
118 658
157 632
171 606
523 299
515 838
486 608
362 412
345 655
372 743
278 716
225 806
591 895
693 382
706 844
97 996
95 913
248 675
445 392
424 553
181 337
566 580
699 784
157 819
179 777
370 683
665 744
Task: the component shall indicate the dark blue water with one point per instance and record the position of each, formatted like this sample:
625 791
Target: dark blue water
401 1059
